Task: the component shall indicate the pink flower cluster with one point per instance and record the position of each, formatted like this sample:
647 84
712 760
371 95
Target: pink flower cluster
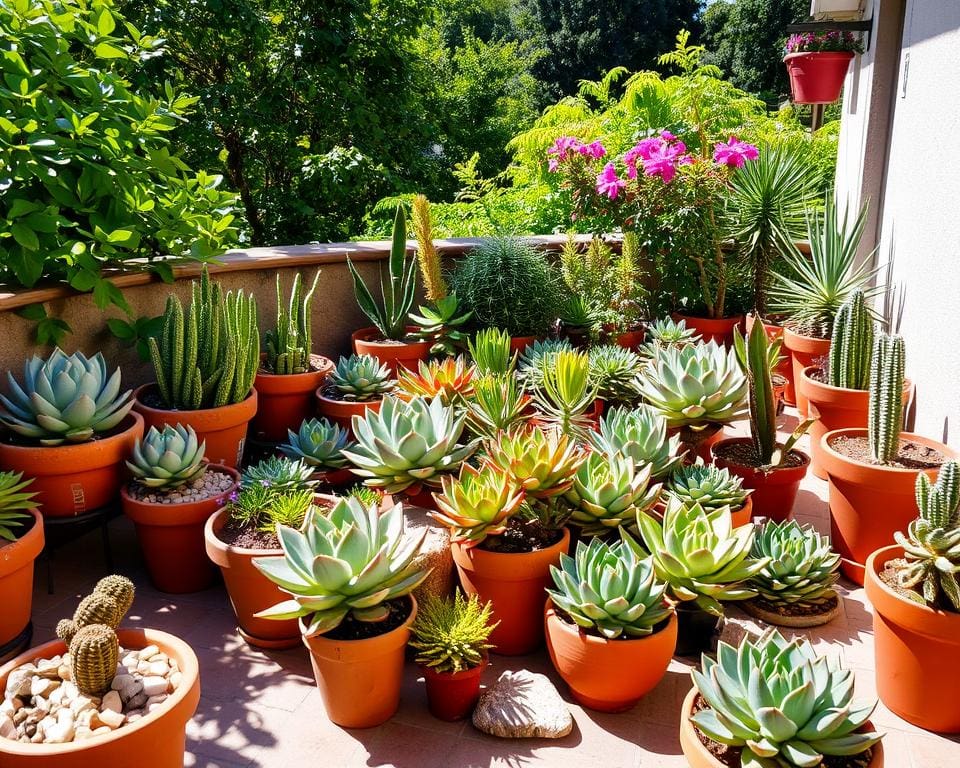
568 146
659 155
734 153
835 40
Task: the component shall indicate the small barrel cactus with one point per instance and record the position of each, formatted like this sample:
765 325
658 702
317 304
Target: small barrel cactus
318 443
169 459
709 486
107 604
801 568
360 378
94 652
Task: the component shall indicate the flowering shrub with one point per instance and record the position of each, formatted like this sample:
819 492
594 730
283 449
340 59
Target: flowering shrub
813 42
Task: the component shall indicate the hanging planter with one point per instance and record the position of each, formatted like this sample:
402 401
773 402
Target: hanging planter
817 64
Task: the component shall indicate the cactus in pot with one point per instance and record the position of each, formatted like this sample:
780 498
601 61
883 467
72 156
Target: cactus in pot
885 417
852 344
289 342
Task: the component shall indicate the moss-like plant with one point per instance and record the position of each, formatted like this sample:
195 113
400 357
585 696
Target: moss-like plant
451 635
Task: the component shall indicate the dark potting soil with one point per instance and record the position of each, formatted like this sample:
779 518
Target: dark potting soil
730 756
565 618
911 455
352 629
332 393
522 536
745 455
796 609
247 538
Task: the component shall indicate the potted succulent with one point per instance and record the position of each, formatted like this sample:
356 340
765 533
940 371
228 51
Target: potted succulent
205 362
506 520
639 434
390 340
70 429
356 385
172 494
564 396
817 64
698 388
347 575
319 443
872 472
109 712
613 371
666 332
450 379
492 353
795 587
450 636
21 541
289 372
775 702
608 491
497 404
703 559
770 470
610 631
915 594
711 487
275 491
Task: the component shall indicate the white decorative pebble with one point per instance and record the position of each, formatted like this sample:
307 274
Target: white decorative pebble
111 701
111 719
158 669
152 686
149 652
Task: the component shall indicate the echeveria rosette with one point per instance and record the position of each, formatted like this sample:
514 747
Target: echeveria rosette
781 704
319 443
450 379
360 378
608 491
350 560
708 485
611 588
168 458
801 568
541 461
477 504
639 434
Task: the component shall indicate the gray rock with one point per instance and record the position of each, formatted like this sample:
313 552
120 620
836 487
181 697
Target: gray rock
523 705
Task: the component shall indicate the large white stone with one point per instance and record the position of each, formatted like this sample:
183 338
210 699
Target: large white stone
523 705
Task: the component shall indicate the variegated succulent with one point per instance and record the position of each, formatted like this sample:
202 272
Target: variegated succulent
476 504
801 568
541 461
497 404
450 379
608 491
639 434
167 459
707 485
319 443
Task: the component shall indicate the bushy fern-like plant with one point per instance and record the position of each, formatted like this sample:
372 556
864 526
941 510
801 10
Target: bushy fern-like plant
450 634
13 502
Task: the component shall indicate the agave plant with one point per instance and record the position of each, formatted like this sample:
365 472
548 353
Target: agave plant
280 474
318 443
801 568
639 434
541 461
360 378
667 333
408 443
168 459
608 491
538 356
12 501
565 393
700 555
781 704
450 379
352 560
497 403
477 504
64 399
611 588
490 351
613 371
709 486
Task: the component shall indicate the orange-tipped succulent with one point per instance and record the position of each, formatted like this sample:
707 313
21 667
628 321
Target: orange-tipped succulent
477 504
451 378
542 462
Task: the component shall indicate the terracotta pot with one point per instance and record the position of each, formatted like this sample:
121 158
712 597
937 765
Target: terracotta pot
514 583
335 477
784 367
917 653
359 680
452 695
519 343
697 630
171 537
816 77
608 675
224 429
719 329
698 756
697 444
155 741
342 411
286 401
804 351
773 491
833 408
632 340
249 590
423 498
394 355
869 502
16 580
74 479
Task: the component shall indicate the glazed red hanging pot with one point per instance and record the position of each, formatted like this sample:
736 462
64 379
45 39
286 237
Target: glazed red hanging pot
816 77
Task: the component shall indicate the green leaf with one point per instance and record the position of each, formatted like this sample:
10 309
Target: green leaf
106 24
83 280
164 270
25 236
124 237
51 331
33 312
107 51
121 329
106 293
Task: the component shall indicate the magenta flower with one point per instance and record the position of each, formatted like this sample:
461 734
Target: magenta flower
668 136
734 153
594 149
553 164
608 183
563 146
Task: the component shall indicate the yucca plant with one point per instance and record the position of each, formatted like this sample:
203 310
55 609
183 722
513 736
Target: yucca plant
565 392
318 443
497 403
281 474
450 634
169 458
351 561
478 503
613 371
490 351
608 491
710 486
852 344
450 379
781 704
542 462
13 500
801 568
360 378
289 343
639 434
64 399
885 413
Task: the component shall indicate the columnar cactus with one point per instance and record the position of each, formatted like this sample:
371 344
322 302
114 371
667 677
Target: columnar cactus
94 652
885 418
852 344
290 343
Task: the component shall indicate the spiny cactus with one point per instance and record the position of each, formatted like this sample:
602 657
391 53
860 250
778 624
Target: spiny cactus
852 344
209 356
107 604
290 343
885 418
94 651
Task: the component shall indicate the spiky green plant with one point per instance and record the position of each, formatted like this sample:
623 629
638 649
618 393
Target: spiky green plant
639 434
477 503
168 459
538 356
781 704
542 462
450 634
351 561
801 568
282 474
667 332
441 323
497 403
397 291
262 507
565 392
708 485
289 342
365 494
360 378
490 351
610 588
208 357
64 399
319 443
608 491
12 501
613 371
852 344
885 415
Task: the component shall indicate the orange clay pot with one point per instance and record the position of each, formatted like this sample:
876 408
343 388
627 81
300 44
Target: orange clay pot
698 756
833 408
342 411
514 582
171 537
249 590
286 400
608 675
917 653
869 502
719 329
519 343
452 696
803 351
155 741
784 366
16 578
224 429
393 354
632 340
74 479
359 680
774 491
